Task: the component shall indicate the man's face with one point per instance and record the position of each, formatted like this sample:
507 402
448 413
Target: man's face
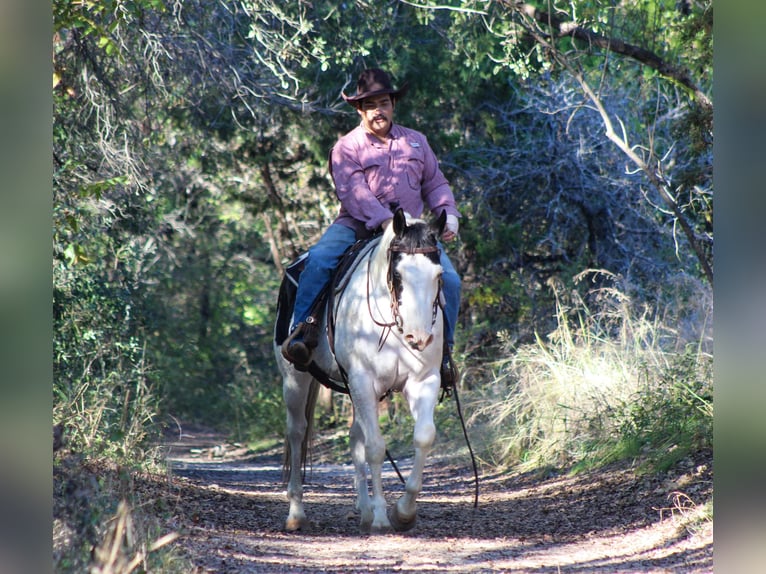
377 114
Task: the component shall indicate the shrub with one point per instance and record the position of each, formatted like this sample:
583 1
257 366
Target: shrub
102 397
607 383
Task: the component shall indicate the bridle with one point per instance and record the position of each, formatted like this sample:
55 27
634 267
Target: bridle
398 322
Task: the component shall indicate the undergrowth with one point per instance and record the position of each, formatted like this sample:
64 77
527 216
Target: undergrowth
111 518
104 416
610 383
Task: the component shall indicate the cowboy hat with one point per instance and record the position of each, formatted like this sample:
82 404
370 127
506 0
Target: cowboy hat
374 82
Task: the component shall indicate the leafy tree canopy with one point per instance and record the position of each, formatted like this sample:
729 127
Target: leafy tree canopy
191 141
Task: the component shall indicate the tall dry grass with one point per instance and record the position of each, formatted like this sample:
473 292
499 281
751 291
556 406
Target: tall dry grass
613 380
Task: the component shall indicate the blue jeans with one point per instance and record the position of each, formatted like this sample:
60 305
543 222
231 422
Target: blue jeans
324 257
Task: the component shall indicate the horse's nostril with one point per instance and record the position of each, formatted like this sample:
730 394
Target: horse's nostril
418 343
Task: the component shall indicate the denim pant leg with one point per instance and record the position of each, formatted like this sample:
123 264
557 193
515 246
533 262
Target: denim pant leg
322 260
451 288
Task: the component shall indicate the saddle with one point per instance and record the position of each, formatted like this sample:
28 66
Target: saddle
324 303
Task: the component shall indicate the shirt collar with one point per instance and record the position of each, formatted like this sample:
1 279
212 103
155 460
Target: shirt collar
394 133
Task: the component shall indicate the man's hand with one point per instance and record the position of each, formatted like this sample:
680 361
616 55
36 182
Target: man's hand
450 229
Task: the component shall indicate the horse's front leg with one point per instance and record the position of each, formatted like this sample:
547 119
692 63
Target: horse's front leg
368 446
421 398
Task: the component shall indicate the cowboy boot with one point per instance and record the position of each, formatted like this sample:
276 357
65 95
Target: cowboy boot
448 371
299 346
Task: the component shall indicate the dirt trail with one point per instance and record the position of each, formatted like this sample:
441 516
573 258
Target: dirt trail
231 506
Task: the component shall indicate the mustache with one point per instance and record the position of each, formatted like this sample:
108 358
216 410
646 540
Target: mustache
379 117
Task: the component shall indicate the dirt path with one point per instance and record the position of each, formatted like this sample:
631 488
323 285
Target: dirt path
231 506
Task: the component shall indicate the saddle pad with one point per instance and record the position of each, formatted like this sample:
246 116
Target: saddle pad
289 287
349 262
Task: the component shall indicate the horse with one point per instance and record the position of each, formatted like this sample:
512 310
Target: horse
388 337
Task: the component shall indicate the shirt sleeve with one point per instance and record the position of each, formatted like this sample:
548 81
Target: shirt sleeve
435 189
351 186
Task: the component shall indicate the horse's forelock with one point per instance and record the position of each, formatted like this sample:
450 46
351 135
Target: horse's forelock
417 235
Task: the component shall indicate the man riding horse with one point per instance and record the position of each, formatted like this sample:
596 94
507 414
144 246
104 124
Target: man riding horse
376 167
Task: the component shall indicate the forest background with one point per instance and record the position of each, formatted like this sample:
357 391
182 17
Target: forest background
190 144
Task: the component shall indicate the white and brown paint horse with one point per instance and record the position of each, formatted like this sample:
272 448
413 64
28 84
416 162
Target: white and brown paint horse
388 336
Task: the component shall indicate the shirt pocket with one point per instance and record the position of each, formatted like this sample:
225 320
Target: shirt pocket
414 169
372 169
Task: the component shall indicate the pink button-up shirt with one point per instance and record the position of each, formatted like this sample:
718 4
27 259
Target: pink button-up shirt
370 176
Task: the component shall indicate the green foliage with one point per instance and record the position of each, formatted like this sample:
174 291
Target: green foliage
491 240
217 305
102 394
101 19
671 417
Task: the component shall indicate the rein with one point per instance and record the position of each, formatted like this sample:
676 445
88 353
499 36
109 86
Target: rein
386 326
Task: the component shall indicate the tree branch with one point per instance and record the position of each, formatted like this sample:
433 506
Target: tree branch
657 180
648 58
654 175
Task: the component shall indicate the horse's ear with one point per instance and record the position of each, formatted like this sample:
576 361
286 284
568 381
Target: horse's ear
400 222
438 225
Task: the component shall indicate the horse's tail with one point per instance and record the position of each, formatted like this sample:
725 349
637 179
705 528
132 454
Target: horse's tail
311 402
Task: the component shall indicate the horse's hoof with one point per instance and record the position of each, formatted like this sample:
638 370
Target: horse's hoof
295 524
373 527
398 524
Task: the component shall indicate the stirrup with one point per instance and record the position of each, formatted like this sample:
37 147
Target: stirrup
298 347
449 373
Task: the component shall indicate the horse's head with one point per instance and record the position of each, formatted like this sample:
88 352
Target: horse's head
414 277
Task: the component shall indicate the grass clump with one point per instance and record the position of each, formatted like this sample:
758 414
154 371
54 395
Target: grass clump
607 384
110 518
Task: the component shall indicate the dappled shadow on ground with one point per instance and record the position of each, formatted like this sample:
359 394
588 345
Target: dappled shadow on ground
232 512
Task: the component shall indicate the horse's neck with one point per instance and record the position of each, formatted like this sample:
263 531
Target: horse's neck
369 283
378 268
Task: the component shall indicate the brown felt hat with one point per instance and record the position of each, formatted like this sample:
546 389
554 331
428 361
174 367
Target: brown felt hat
374 82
